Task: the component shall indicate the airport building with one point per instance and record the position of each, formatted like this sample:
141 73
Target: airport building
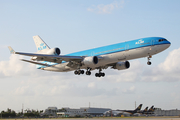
84 111
160 112
51 111
95 112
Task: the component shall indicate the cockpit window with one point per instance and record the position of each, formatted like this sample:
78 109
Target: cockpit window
160 40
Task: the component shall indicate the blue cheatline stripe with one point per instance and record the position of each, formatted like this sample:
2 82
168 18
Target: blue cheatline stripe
119 47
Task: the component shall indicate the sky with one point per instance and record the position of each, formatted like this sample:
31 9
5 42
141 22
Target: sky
79 25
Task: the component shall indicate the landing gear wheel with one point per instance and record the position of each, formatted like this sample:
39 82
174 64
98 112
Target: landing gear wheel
149 63
88 73
97 74
76 72
82 71
79 72
100 74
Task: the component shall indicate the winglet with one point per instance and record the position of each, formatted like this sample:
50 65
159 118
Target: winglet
11 50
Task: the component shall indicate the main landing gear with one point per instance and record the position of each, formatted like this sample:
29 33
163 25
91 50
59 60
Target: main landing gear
149 63
88 72
78 72
100 74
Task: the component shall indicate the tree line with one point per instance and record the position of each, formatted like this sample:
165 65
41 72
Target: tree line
28 113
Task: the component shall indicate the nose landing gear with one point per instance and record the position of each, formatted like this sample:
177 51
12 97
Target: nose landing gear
149 63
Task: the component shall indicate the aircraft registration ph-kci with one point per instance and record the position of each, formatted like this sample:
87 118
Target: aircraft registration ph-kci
115 56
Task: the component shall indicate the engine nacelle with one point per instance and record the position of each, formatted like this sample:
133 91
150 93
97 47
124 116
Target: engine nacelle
122 65
54 51
90 61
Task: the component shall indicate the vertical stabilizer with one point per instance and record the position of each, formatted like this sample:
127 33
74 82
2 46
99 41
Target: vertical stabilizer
146 109
40 44
139 107
151 109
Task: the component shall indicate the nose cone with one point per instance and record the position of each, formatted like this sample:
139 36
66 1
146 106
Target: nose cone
168 44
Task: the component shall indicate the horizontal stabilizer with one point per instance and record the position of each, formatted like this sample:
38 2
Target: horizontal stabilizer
11 50
36 63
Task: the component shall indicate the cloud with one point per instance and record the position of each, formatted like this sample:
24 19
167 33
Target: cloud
172 62
91 85
129 75
23 91
11 67
165 71
131 90
106 9
15 67
59 88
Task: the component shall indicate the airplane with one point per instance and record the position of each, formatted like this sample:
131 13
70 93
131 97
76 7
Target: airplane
144 111
132 112
151 110
113 113
116 56
123 112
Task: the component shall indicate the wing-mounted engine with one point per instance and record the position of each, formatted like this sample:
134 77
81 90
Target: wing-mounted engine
121 65
54 51
90 61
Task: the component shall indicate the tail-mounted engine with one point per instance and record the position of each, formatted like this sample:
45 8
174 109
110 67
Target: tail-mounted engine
90 61
54 51
122 65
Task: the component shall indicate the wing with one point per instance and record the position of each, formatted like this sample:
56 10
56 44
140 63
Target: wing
36 63
49 58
